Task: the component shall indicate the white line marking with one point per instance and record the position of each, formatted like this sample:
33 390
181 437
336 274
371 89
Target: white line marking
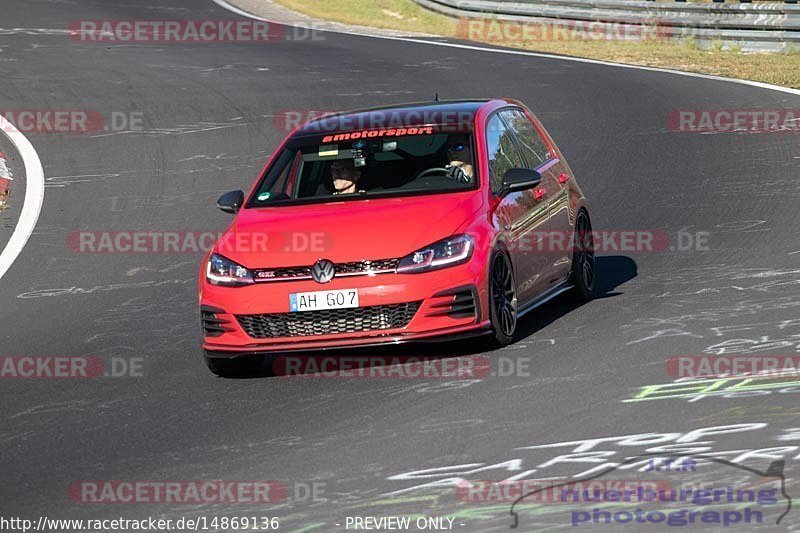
229 7
34 195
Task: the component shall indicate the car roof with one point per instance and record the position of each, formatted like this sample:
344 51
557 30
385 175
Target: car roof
400 115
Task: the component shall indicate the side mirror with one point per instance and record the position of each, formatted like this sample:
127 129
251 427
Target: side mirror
230 202
520 179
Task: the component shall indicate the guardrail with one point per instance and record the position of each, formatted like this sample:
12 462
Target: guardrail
769 26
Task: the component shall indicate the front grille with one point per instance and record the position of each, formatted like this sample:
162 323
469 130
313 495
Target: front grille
288 273
353 268
359 267
328 321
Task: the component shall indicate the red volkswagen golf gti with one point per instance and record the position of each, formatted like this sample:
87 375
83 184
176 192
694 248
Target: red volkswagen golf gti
417 222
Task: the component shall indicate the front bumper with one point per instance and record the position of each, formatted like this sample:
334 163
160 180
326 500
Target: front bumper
433 320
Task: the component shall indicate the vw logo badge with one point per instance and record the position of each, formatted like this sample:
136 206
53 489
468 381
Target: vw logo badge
322 271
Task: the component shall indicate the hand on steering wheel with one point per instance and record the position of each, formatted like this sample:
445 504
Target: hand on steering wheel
457 173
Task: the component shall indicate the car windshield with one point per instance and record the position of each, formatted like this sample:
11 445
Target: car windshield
370 163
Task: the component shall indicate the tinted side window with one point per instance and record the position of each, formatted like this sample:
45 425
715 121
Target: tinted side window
533 146
502 151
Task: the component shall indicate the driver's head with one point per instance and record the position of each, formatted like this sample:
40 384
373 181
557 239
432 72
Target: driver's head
458 149
345 174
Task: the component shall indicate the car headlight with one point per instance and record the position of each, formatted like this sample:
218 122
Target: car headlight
223 271
445 253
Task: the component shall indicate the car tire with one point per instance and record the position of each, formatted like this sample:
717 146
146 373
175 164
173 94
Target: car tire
502 300
584 272
237 367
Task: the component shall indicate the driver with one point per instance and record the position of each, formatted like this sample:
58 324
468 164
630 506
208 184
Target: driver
345 177
459 153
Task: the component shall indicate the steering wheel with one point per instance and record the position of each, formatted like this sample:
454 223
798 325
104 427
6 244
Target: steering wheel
432 170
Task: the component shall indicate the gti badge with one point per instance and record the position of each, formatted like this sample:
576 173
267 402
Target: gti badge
322 271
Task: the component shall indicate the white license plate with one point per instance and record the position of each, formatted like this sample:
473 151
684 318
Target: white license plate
317 300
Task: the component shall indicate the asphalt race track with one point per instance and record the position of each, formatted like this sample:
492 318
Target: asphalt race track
209 123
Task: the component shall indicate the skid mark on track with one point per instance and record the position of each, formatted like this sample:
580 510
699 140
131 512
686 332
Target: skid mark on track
46 293
71 405
206 157
62 181
181 129
177 266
